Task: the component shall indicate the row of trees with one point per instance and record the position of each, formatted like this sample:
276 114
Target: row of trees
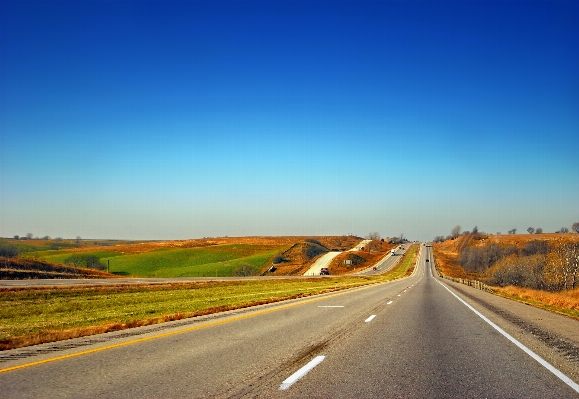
89 261
555 271
30 236
455 232
537 264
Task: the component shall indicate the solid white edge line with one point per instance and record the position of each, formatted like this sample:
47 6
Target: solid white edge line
529 352
292 379
369 319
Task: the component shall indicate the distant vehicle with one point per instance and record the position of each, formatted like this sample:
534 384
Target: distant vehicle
324 271
427 260
393 252
374 268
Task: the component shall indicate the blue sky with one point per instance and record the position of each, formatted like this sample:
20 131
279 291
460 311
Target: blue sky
174 120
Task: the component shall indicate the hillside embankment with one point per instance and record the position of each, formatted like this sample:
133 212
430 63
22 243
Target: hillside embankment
539 269
18 269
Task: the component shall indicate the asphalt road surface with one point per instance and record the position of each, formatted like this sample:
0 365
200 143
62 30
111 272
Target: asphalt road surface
410 338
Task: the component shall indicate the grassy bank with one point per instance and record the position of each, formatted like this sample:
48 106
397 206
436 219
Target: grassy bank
31 316
406 265
566 302
208 261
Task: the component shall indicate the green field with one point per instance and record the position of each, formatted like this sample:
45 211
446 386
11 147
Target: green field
192 262
208 261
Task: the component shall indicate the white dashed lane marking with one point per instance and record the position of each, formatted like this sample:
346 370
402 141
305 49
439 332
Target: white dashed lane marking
292 379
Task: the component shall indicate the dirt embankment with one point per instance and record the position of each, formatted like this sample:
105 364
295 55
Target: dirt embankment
353 261
447 253
303 253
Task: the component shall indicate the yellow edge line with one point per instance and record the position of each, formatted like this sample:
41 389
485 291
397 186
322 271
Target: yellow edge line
167 334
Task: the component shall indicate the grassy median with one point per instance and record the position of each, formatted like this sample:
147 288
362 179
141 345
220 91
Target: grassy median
36 315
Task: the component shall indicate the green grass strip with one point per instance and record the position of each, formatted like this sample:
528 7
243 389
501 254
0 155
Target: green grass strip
405 266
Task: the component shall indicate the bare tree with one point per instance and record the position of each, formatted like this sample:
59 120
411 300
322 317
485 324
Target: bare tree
455 232
374 236
531 230
575 227
562 269
29 236
538 230
563 230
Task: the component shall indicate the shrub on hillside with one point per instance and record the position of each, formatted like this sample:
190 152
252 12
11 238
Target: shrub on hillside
520 271
535 247
88 261
8 251
314 250
244 270
279 259
475 259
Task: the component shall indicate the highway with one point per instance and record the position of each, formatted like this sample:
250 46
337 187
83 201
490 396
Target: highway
416 337
386 263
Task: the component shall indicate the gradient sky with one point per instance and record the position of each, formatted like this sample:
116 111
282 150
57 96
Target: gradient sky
175 120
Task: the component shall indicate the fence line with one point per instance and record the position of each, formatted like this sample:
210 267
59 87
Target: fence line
471 283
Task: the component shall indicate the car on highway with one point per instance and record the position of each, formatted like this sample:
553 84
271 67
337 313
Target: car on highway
324 271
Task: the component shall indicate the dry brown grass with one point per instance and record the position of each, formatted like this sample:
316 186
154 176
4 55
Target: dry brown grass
340 242
149 246
520 239
564 302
